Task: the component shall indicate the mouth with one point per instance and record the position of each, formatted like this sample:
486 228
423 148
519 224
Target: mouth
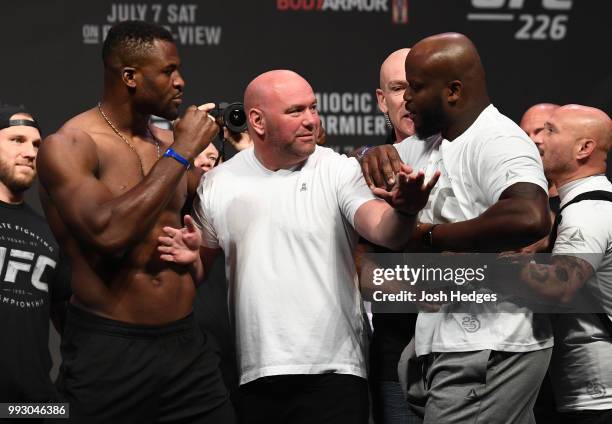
411 115
178 99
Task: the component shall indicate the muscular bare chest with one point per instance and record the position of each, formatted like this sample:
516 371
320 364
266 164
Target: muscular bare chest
121 169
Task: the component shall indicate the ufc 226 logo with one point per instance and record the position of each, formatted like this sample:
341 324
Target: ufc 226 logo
23 261
551 24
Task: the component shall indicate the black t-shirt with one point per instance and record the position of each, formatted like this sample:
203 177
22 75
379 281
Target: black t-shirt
32 276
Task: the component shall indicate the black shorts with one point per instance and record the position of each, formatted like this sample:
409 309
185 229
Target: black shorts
114 372
305 399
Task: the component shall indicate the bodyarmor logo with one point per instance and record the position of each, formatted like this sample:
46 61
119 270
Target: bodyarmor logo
399 8
471 324
595 389
22 262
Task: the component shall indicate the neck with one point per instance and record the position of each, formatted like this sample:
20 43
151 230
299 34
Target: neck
567 178
124 117
8 196
274 164
460 124
399 136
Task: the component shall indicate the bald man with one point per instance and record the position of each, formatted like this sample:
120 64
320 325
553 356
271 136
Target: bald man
391 331
491 197
532 123
574 145
390 95
287 214
534 118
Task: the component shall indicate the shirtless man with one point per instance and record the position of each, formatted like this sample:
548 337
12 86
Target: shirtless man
111 181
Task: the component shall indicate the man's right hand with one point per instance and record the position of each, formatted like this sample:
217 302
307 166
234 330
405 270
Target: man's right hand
181 245
194 131
380 165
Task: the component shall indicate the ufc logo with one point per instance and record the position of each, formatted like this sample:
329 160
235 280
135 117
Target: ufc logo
22 262
518 4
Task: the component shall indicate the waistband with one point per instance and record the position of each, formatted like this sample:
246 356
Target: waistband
86 320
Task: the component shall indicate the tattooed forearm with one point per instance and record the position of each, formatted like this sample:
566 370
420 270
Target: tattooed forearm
561 274
539 272
560 280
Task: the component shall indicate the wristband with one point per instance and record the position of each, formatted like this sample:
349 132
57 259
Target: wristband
362 153
428 239
172 154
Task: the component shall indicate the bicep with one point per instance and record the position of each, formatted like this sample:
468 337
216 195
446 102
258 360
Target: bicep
67 168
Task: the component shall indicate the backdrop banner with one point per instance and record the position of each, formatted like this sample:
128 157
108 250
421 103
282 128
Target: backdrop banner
533 51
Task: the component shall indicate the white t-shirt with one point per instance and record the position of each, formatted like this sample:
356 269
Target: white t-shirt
582 359
288 240
476 167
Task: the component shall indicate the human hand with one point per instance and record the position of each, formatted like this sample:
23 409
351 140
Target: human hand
181 246
194 131
239 141
380 165
410 192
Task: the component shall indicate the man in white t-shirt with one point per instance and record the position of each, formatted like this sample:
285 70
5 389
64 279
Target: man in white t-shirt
574 146
482 366
287 215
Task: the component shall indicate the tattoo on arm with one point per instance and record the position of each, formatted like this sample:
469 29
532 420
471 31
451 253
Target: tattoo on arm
539 273
561 279
561 274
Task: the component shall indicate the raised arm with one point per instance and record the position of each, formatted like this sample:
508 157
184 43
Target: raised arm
392 223
68 167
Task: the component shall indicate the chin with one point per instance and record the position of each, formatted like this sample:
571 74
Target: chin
19 185
170 113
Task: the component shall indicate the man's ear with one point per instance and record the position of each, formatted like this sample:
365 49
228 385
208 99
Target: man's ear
454 90
382 102
257 121
586 147
128 75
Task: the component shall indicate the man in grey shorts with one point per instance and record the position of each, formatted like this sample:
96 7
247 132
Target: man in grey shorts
483 366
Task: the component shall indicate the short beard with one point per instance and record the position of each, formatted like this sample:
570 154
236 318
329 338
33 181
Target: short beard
432 121
15 185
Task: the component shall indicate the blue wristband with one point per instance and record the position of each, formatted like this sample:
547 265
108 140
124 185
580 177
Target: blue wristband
172 154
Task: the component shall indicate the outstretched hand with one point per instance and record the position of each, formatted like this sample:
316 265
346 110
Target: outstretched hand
181 246
409 194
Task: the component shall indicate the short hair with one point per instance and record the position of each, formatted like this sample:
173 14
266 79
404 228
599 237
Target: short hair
130 41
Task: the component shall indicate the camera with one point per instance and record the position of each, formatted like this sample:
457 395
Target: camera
231 116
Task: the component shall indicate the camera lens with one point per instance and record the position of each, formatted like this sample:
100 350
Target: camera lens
235 118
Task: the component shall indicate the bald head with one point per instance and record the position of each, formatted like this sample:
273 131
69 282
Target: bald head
449 56
534 118
575 143
390 95
587 123
447 87
282 118
393 67
269 86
